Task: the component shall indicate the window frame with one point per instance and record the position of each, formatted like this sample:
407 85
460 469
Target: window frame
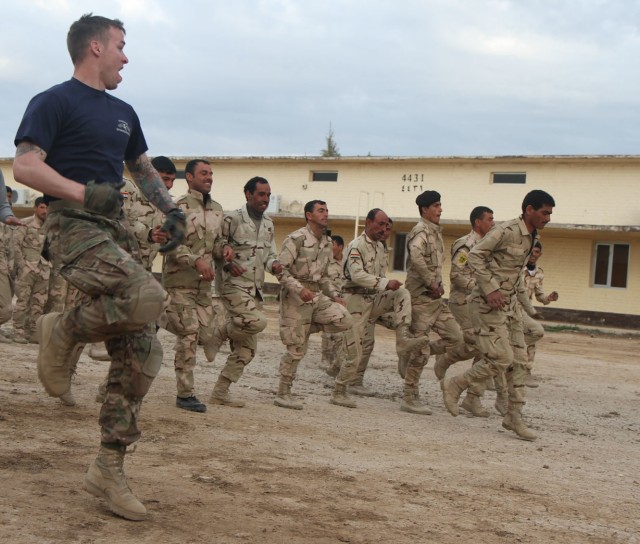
402 246
610 265
506 174
312 176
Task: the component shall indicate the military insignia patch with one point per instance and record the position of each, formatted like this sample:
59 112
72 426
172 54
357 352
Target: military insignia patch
461 259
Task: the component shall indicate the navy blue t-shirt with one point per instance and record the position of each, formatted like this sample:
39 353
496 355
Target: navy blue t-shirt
86 133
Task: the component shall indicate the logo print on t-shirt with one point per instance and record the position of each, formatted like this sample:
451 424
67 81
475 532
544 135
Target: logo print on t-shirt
123 126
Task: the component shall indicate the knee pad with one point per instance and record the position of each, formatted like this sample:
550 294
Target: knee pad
150 364
146 302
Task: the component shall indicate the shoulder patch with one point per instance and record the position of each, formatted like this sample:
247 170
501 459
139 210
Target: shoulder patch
462 258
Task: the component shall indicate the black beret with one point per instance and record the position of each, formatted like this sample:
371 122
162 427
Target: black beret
427 198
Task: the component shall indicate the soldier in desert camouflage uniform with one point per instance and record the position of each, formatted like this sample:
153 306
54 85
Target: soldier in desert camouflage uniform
497 261
251 235
370 294
144 218
425 249
188 273
7 219
462 283
309 298
533 330
333 342
33 281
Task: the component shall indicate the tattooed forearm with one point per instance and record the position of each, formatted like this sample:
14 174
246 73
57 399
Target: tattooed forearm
148 179
27 147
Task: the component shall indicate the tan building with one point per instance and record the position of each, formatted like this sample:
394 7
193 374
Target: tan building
591 248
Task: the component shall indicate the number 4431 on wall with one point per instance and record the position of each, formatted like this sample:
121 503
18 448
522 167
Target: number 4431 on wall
412 183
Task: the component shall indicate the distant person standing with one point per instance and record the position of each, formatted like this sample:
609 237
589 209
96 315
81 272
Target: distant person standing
7 219
82 177
332 342
533 330
497 261
32 285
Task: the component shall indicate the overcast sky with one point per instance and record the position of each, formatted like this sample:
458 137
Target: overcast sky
393 77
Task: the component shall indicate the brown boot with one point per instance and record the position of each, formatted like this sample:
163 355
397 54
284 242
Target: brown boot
221 395
530 380
68 399
501 403
284 398
105 479
513 422
403 363
405 343
339 397
58 355
472 404
98 352
411 402
441 365
361 390
452 388
211 349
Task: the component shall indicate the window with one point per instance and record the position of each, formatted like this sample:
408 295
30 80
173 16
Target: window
400 252
509 177
611 265
324 176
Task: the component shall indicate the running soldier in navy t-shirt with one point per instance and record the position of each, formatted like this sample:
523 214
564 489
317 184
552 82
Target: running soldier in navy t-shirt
71 145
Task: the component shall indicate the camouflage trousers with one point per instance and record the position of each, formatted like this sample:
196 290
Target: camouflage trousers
332 350
428 315
533 333
245 321
500 341
121 303
461 314
298 319
389 308
190 316
6 297
32 289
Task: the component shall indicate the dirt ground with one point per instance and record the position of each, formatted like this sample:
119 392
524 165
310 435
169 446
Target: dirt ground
263 474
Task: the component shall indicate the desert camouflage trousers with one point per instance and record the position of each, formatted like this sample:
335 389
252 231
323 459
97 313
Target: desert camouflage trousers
6 297
533 333
389 308
121 302
298 320
32 290
190 316
434 315
244 321
500 341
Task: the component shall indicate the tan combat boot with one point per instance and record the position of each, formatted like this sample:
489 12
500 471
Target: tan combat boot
411 402
211 349
452 388
105 479
361 390
513 422
403 363
501 403
441 365
98 352
284 398
405 343
58 355
529 381
339 397
221 394
472 404
68 399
